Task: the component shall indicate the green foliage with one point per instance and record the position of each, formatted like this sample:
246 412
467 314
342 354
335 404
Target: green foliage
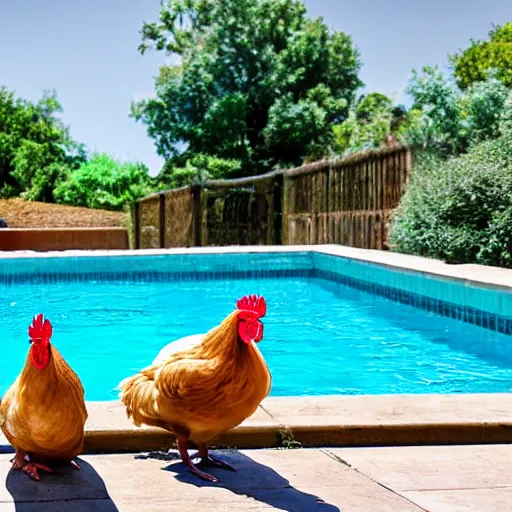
36 151
460 209
295 128
257 81
447 120
476 62
198 169
369 124
442 118
438 123
485 106
104 183
37 171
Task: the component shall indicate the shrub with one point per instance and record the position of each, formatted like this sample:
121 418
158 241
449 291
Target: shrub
104 183
460 209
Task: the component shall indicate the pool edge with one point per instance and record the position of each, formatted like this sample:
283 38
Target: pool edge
326 421
330 421
484 276
310 436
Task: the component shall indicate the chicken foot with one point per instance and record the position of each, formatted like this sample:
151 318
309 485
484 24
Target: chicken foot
209 459
41 463
31 463
24 461
183 449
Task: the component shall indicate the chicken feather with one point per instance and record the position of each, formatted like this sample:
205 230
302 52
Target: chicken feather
43 413
200 386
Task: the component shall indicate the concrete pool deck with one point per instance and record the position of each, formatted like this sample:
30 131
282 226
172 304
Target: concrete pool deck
407 479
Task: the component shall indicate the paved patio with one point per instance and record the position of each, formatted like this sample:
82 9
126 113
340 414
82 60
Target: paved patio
407 479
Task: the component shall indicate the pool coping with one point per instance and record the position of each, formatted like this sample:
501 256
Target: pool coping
326 421
468 274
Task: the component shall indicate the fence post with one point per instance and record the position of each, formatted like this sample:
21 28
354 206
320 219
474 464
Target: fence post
285 208
197 215
277 208
136 224
162 220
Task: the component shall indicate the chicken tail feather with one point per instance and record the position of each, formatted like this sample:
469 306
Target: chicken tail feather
139 395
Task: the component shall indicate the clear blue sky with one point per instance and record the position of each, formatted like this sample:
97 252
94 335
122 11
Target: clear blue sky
87 51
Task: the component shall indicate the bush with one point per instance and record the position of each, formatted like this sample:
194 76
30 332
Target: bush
104 183
460 210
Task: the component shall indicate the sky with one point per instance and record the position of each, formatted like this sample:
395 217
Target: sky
87 52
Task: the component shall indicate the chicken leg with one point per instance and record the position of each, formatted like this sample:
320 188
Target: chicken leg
207 458
185 457
23 461
30 463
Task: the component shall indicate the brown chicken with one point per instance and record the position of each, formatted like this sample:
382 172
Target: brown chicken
205 385
43 413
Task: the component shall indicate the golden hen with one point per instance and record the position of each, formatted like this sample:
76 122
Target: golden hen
201 386
43 413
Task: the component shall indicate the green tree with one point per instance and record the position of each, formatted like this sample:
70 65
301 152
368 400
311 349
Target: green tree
104 183
197 169
369 124
257 81
448 120
437 113
37 171
36 150
475 63
484 105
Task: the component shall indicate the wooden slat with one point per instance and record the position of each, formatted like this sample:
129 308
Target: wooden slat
345 201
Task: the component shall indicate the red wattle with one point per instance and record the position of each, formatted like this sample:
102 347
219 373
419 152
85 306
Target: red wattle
252 331
40 357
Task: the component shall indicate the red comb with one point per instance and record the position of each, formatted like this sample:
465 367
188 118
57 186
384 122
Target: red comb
40 329
254 303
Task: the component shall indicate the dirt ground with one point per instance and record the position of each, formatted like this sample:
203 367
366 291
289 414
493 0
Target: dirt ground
29 214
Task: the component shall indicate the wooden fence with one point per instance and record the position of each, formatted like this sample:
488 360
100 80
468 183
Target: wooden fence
344 201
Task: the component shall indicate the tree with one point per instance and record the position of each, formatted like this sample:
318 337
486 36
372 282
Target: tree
448 120
36 150
437 113
257 81
485 103
104 183
369 124
197 169
442 118
474 64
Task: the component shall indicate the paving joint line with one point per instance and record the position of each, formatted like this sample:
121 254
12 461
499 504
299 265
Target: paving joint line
448 489
333 456
271 415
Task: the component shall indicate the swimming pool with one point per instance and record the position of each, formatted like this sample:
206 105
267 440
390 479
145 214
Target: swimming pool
334 326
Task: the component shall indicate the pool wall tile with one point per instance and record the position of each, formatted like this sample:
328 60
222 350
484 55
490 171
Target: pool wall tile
482 307
494 301
485 307
75 268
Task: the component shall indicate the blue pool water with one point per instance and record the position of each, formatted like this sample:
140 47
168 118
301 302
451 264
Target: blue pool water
320 337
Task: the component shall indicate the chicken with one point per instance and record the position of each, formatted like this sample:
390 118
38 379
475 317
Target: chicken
43 413
203 385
